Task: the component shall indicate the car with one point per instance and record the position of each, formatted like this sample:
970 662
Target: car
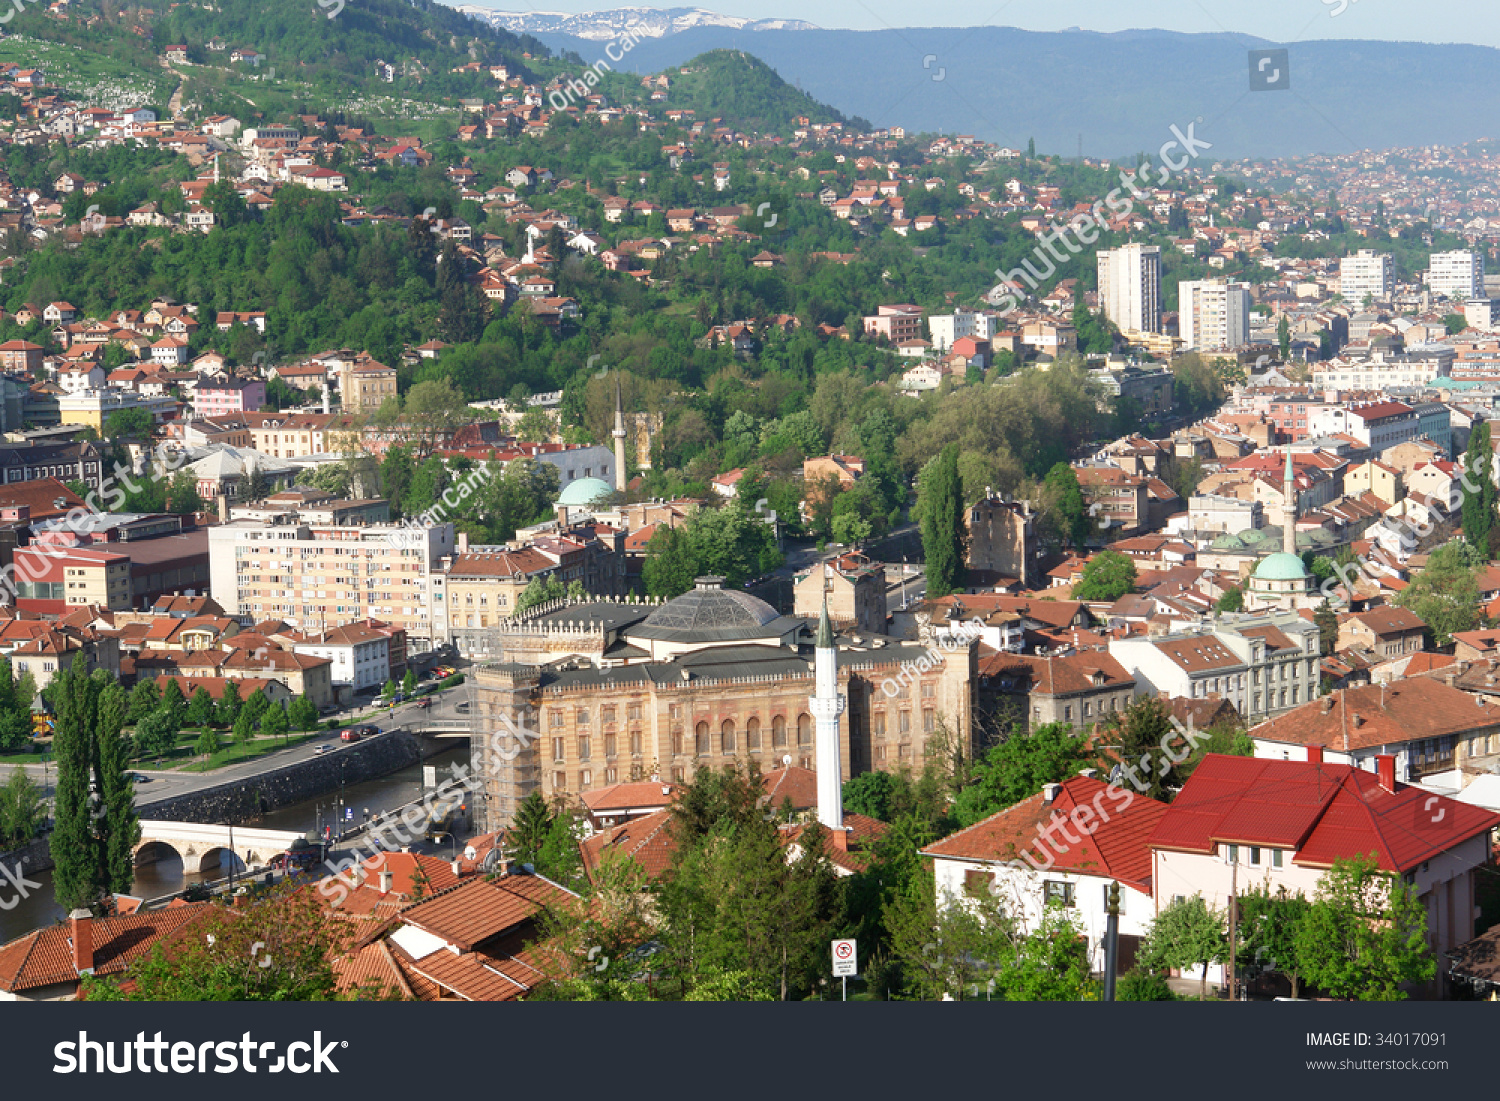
350 735
323 749
139 778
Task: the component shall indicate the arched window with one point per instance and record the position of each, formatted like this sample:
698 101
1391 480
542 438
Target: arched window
702 732
804 730
778 732
726 736
752 734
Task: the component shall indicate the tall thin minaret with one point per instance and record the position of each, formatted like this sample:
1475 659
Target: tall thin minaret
619 435
1289 509
827 706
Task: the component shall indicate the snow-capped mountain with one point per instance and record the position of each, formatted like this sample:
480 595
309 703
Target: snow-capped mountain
638 22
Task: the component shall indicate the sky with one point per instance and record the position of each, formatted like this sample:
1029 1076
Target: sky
1476 22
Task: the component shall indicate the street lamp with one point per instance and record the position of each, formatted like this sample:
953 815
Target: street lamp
903 582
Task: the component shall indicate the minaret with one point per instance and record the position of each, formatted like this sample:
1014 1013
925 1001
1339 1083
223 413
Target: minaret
1289 510
827 706
619 435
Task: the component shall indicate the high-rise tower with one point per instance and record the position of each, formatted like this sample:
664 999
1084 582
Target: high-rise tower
827 705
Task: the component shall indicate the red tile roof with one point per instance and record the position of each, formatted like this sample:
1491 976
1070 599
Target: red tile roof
45 957
1117 848
1377 715
1322 811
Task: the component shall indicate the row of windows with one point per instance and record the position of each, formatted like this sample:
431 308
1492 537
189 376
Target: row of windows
1253 855
586 743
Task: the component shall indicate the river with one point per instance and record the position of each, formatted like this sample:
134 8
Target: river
166 876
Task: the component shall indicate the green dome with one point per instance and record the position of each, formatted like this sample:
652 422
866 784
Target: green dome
585 491
1281 567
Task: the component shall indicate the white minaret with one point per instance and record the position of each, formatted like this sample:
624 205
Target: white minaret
827 706
1289 512
619 435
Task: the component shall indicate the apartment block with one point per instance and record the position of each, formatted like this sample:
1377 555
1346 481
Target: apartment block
1214 314
1458 274
1130 286
1367 274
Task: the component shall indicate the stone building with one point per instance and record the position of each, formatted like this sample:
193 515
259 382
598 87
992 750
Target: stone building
712 677
1002 540
854 589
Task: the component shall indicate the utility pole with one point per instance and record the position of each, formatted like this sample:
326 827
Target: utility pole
1234 895
1111 941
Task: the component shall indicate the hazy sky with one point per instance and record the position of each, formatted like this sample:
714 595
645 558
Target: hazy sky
1472 21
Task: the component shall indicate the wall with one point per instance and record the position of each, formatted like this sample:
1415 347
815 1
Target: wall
240 800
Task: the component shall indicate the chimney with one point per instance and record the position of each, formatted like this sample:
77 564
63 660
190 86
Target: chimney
82 923
840 838
1385 768
1315 755
385 880
457 870
1049 793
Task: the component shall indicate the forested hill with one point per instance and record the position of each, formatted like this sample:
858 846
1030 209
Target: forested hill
288 33
745 92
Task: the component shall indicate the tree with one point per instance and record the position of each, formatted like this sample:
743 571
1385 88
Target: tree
145 697
1327 622
1478 489
668 570
1233 600
20 809
274 723
207 744
529 829
129 424
1108 576
244 727
1051 963
229 704
1284 338
1062 500
182 494
388 691
1144 737
1365 934
1186 933
155 735
953 949
257 485
302 714
940 508
1445 595
281 947
200 709
409 683
256 705
96 828
172 701
1268 928
1019 767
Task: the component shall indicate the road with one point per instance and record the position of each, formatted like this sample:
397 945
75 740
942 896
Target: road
168 784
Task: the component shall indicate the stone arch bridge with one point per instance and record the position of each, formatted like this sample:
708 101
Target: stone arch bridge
202 847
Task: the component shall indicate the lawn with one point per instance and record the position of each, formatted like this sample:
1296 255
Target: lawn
244 751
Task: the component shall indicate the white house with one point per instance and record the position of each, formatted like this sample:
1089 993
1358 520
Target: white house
1063 846
361 656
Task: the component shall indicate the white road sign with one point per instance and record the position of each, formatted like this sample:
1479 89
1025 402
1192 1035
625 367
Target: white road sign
845 958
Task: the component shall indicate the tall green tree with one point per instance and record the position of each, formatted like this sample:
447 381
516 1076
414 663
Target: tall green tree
20 809
1327 621
1062 500
200 709
1268 928
183 497
229 704
1478 489
1445 595
145 698
302 713
1019 767
940 507
529 829
1365 935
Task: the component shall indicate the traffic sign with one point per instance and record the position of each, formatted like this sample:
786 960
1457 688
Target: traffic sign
845 958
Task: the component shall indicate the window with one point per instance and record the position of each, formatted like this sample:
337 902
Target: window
977 880
1123 893
778 732
1056 891
583 717
607 715
752 734
584 742
585 778
905 723
557 718
558 751
879 720
560 781
1068 714
1255 856
633 711
701 731
804 730
1231 854
928 690
635 743
611 776
679 775
726 736
929 721
677 741
609 745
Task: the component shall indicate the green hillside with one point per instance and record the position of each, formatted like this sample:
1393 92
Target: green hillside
745 92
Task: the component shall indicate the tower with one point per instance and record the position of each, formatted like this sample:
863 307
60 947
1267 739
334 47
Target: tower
1289 509
619 435
827 705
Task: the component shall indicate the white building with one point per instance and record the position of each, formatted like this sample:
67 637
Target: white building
946 328
1458 274
361 656
1379 425
1076 838
313 575
1130 287
1263 664
1214 314
1367 272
